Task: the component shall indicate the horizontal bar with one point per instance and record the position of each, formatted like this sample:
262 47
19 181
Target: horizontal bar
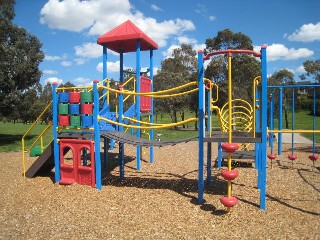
296 86
294 131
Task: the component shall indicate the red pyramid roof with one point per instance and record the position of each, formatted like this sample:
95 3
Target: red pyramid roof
124 38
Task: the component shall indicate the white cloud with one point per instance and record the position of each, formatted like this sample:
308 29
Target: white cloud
51 80
186 40
66 63
79 61
169 51
155 7
300 70
99 16
306 33
198 47
50 72
52 58
201 9
88 50
111 67
80 81
277 52
212 18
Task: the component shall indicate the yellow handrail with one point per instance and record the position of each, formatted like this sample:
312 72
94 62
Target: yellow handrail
152 127
151 94
40 136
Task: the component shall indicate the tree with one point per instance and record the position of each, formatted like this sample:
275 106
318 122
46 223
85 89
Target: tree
244 67
226 39
282 77
20 58
180 69
312 70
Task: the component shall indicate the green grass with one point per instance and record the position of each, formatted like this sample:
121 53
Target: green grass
302 120
11 134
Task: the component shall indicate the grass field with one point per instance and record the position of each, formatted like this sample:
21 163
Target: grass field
11 134
302 120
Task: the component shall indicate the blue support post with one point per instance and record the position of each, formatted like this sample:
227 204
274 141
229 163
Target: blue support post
219 155
292 124
96 135
314 121
201 124
104 74
263 171
55 132
138 113
280 121
121 111
152 109
271 121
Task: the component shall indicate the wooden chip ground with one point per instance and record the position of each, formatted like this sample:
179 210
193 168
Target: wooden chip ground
159 202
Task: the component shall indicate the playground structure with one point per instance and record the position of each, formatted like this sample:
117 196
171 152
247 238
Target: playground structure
82 116
271 130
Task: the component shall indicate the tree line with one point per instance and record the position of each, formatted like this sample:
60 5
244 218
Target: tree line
22 97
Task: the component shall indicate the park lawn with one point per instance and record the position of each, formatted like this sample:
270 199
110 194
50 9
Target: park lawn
11 134
302 120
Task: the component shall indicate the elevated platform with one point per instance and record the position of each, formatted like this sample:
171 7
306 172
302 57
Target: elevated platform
237 137
124 138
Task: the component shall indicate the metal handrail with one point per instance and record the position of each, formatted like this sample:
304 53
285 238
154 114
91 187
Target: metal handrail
39 137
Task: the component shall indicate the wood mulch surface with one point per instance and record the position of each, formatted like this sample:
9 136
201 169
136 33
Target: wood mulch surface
159 202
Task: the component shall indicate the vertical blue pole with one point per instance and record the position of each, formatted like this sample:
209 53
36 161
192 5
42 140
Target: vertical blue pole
219 155
201 123
55 132
138 113
120 102
314 121
280 121
96 135
152 109
292 124
271 121
264 100
104 73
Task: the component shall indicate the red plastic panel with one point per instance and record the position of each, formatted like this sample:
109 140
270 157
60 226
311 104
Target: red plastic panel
74 97
84 175
145 102
86 108
64 120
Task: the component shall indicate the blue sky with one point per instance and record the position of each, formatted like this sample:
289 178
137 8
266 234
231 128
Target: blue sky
69 30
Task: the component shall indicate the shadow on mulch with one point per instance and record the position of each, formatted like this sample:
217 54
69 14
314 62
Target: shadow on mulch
165 180
290 206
